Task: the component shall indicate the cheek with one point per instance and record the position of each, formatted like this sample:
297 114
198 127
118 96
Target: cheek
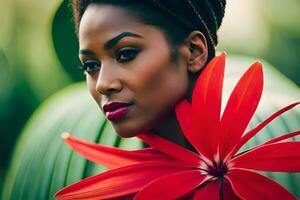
156 73
91 85
162 86
168 90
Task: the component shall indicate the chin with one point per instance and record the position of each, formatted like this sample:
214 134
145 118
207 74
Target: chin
129 130
126 132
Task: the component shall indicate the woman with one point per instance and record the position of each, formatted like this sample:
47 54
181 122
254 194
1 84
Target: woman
142 57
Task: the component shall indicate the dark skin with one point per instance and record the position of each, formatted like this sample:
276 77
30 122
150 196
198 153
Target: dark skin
131 62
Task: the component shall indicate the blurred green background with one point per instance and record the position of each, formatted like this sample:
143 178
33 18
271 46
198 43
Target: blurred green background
38 55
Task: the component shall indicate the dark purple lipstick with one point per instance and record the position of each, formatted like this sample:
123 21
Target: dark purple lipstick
116 110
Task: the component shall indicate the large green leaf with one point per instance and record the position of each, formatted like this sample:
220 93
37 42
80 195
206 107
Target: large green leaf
65 41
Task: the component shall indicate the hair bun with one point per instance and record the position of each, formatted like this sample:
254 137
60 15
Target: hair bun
218 7
203 15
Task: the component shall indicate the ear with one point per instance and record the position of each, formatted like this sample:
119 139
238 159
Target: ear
197 51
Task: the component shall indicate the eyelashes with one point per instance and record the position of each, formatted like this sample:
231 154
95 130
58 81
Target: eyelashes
123 55
90 66
126 54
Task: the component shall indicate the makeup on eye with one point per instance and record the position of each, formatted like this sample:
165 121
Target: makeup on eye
90 66
126 54
122 55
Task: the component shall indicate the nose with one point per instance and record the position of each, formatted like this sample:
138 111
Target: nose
108 81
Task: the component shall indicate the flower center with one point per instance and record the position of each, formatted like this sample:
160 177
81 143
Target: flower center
218 169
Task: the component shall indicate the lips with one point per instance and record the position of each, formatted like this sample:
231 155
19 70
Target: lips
116 110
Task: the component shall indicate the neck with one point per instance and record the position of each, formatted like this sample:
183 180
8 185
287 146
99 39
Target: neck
169 127
170 130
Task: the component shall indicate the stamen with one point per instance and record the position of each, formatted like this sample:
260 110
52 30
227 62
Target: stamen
218 169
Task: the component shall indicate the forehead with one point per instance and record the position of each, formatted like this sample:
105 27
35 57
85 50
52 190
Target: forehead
102 19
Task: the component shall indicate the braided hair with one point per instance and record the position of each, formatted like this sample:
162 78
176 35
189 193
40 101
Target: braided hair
176 18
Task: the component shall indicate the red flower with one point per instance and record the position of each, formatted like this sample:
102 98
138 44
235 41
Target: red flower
169 171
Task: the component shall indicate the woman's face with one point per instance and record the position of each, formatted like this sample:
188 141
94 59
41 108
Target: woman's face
130 70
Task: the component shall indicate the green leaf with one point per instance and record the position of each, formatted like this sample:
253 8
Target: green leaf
63 30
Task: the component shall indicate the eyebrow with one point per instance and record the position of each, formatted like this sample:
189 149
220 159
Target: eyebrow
111 43
86 52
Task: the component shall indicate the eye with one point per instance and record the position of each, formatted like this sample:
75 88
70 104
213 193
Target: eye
90 66
126 54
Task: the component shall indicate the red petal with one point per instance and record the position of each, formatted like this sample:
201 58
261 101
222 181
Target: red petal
148 150
127 197
240 108
254 131
206 108
276 157
251 185
170 148
184 116
118 182
172 186
212 190
110 156
282 137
